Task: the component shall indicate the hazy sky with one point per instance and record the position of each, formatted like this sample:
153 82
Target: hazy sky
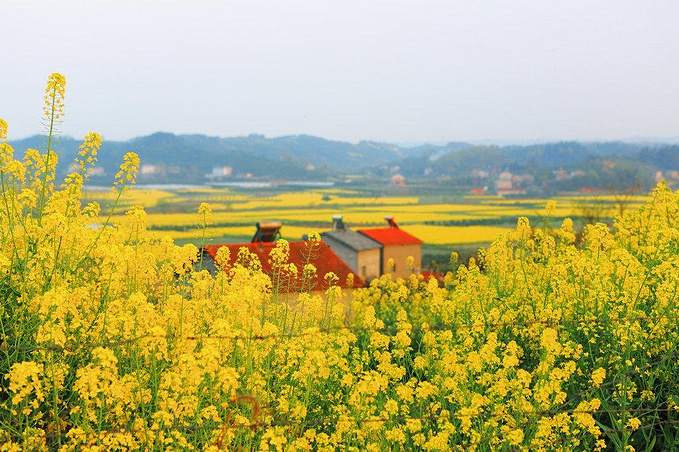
400 71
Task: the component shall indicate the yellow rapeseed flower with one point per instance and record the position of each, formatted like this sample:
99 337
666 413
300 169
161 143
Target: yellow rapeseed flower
128 170
633 423
205 210
598 376
3 129
26 384
514 436
55 93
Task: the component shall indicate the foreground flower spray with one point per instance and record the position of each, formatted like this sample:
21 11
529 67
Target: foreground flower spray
113 338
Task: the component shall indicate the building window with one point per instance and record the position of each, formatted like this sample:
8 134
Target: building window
363 271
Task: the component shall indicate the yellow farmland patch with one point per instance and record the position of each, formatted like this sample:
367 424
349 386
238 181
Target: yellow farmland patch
451 235
311 199
373 216
433 208
500 201
639 199
530 212
235 214
141 197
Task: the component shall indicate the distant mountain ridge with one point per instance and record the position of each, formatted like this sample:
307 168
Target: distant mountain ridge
172 158
285 157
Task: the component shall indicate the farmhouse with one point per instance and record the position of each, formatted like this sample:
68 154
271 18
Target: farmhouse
264 241
361 253
397 245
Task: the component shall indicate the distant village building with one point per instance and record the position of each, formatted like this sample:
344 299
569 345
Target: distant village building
264 240
398 179
503 184
514 191
397 245
505 175
220 172
360 252
561 174
507 182
658 176
151 169
504 181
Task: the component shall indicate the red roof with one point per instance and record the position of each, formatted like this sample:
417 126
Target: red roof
391 236
324 259
438 276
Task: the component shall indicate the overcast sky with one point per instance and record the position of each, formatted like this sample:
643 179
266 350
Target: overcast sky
398 71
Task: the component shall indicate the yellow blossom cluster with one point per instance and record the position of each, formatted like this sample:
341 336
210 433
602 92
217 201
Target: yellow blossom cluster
3 129
55 93
113 338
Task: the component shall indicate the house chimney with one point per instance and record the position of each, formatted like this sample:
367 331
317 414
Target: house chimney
391 222
337 223
267 232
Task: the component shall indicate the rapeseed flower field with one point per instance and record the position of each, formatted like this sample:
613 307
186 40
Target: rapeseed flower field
114 338
475 220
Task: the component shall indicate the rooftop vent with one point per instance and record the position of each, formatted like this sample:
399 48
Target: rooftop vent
267 232
391 222
337 222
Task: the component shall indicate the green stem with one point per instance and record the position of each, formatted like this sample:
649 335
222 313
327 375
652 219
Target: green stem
55 401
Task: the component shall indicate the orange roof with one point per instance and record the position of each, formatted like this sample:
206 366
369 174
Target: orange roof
325 260
391 236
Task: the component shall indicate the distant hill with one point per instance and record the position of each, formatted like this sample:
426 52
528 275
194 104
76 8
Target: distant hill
338 155
461 159
290 157
189 158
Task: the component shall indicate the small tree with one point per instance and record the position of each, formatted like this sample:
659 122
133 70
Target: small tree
624 196
592 210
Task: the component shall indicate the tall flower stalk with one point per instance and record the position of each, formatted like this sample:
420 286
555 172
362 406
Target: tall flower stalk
205 212
53 113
